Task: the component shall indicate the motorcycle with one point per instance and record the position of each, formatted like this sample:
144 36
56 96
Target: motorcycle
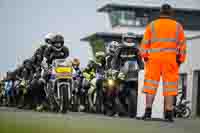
181 110
2 95
21 88
91 96
59 87
110 92
129 86
77 94
128 63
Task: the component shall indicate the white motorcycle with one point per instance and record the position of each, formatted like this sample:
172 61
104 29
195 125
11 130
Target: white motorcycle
59 87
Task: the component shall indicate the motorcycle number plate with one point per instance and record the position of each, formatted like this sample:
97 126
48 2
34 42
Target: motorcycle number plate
63 69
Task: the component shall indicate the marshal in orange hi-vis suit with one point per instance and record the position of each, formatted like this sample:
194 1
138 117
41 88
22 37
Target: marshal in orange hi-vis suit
164 46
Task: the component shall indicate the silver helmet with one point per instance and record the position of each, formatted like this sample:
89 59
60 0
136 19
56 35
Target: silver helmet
49 38
128 39
111 49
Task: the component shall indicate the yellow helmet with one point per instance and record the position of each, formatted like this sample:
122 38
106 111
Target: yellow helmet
76 61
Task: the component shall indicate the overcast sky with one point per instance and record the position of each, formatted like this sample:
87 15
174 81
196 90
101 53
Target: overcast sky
24 23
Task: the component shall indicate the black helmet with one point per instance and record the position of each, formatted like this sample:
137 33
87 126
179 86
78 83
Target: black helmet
37 57
58 42
27 63
166 9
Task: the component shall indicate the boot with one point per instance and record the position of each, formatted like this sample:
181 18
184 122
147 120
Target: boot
147 114
169 116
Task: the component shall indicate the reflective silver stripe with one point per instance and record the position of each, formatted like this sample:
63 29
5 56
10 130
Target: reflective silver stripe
153 30
143 50
152 81
127 56
155 40
170 90
170 83
182 42
182 52
155 50
177 32
150 88
146 42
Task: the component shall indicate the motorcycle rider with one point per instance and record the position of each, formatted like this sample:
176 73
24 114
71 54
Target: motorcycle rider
110 52
18 73
126 51
1 92
9 88
38 92
79 91
89 81
55 50
76 67
77 74
89 73
100 69
28 73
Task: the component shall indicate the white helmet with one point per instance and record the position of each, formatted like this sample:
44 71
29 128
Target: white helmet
128 39
49 38
112 47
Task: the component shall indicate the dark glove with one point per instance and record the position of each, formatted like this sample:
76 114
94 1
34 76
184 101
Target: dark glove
146 59
179 63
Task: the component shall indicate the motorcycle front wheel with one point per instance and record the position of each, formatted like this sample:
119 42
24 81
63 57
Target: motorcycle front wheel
132 104
186 112
64 99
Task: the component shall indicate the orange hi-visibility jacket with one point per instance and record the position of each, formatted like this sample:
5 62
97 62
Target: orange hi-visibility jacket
164 39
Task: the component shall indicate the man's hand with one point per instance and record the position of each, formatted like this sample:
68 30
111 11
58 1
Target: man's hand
146 59
179 63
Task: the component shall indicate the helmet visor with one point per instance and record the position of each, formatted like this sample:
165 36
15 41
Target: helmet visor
58 44
129 40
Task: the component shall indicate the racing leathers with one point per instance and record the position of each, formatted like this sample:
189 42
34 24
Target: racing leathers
78 78
125 53
51 54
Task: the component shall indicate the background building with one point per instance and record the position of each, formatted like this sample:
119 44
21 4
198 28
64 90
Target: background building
133 15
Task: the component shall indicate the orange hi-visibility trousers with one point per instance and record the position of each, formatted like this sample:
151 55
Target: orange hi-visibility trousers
168 70
162 43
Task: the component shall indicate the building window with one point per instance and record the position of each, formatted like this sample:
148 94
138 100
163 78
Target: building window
127 18
115 17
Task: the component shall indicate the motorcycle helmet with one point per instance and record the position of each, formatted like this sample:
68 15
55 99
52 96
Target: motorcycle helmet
49 38
37 58
27 63
9 75
128 39
112 47
91 64
100 56
76 62
58 42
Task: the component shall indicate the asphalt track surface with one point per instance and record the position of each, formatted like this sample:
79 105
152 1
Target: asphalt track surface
13 120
